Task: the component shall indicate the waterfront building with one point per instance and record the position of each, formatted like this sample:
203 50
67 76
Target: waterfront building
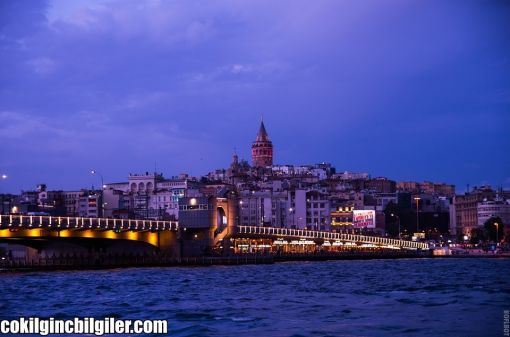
51 202
466 209
148 195
341 218
318 210
90 204
489 209
285 206
71 202
263 208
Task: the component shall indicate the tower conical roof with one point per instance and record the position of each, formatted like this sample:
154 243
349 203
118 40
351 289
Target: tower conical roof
262 135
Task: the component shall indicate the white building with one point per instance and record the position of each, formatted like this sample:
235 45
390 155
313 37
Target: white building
351 175
318 211
89 205
319 171
263 208
488 209
148 195
293 208
71 199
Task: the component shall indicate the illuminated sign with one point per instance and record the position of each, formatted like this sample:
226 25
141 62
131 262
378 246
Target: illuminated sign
363 218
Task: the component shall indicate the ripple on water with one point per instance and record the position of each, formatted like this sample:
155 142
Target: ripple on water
337 298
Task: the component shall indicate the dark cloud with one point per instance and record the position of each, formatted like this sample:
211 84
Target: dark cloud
407 89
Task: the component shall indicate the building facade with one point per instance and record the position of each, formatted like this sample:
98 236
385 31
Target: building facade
466 209
262 149
493 209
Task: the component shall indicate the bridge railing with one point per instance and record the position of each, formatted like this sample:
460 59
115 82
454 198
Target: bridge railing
64 222
309 234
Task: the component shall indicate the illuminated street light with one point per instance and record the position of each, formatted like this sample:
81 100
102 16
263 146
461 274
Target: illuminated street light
497 230
398 218
100 175
4 176
417 217
103 186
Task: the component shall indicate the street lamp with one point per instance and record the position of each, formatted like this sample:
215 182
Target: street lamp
102 188
417 217
4 176
100 175
497 230
398 219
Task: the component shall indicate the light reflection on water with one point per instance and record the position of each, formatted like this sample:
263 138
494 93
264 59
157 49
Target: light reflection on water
412 297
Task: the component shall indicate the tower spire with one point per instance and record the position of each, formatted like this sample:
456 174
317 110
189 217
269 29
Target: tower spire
262 148
262 136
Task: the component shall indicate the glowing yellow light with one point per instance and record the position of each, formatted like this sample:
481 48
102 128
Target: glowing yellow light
153 239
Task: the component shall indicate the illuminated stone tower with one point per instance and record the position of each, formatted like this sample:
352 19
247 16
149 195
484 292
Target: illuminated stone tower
262 149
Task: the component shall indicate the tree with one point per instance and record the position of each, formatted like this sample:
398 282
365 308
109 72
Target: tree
478 235
392 221
491 227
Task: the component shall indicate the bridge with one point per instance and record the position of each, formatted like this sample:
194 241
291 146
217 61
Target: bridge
331 237
56 235
48 235
58 223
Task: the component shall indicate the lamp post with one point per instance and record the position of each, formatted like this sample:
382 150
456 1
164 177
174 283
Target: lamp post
100 175
102 188
291 210
398 219
4 176
417 214
497 230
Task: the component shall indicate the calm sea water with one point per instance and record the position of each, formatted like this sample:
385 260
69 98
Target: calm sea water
414 297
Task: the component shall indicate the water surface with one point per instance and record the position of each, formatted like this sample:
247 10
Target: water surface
408 297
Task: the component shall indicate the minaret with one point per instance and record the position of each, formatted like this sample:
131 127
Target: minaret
262 148
235 162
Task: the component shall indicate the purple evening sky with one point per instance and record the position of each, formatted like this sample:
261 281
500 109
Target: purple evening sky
411 90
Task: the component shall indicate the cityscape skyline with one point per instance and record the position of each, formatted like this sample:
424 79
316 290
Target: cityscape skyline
183 87
94 176
255 167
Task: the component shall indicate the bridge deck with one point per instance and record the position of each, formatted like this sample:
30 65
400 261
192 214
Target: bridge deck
58 222
101 224
313 235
